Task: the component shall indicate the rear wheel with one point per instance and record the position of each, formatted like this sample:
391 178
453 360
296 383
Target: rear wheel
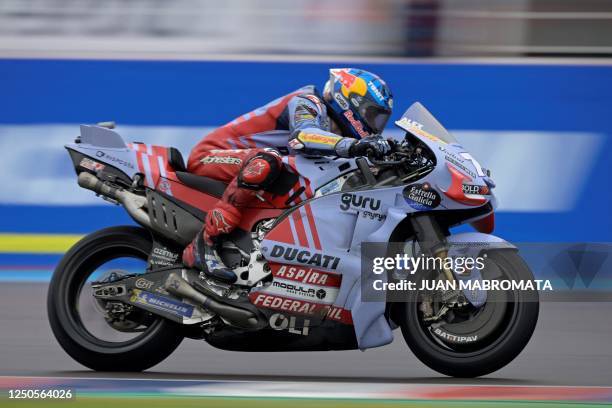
475 341
77 318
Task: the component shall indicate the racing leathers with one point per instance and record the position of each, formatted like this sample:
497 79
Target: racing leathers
247 154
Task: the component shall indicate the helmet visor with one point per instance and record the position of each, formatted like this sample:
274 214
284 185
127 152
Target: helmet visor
375 116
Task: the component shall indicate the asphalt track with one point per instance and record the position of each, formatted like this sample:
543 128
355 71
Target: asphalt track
571 346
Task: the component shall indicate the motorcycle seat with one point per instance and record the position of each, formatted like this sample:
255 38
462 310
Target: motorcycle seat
282 185
200 183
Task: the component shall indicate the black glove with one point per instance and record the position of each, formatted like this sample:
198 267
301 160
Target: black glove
375 147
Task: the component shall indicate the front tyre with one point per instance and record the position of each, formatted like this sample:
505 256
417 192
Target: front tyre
156 339
506 326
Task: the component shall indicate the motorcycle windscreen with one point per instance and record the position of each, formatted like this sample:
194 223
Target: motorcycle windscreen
418 121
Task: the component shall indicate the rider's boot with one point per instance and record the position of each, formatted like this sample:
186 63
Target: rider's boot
201 254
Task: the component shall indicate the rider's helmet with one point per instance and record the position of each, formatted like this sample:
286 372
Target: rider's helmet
360 101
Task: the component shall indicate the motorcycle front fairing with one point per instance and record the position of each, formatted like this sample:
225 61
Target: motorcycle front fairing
331 241
346 219
463 182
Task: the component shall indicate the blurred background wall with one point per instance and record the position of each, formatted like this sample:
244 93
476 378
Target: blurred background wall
170 71
339 27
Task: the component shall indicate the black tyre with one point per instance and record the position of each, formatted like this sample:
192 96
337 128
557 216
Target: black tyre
157 339
506 326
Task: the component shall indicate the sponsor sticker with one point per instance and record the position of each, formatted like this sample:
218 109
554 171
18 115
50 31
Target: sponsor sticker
115 160
357 201
357 125
279 321
317 103
458 161
331 187
91 165
295 144
301 307
305 291
374 215
421 196
375 91
164 186
305 257
453 338
162 256
306 275
474 189
417 129
350 83
221 160
162 303
409 124
303 117
318 139
142 283
341 101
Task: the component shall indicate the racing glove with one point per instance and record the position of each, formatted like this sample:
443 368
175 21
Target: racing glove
374 146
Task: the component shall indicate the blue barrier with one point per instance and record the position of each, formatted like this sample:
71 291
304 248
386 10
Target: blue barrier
500 97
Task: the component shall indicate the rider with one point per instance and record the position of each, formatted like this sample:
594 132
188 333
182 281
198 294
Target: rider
345 121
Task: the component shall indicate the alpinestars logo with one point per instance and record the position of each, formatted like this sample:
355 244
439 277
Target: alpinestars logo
220 160
255 168
220 223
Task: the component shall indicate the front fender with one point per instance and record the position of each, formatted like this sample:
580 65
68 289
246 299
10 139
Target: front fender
479 239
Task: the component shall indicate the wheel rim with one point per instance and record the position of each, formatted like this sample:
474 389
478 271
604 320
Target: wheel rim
507 304
74 293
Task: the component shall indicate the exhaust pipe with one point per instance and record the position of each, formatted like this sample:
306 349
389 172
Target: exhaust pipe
133 203
236 316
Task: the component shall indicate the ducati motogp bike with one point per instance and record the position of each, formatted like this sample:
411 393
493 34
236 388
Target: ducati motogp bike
121 299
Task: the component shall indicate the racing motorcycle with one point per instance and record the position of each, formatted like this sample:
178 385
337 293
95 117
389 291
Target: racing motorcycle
121 299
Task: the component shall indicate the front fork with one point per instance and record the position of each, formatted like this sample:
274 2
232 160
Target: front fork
431 240
433 243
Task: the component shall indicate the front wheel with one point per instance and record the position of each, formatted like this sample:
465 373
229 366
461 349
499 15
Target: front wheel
470 341
136 342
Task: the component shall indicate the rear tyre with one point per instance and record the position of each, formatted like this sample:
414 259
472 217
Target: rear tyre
514 325
160 338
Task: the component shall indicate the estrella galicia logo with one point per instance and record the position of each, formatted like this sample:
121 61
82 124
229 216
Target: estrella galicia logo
421 196
352 200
